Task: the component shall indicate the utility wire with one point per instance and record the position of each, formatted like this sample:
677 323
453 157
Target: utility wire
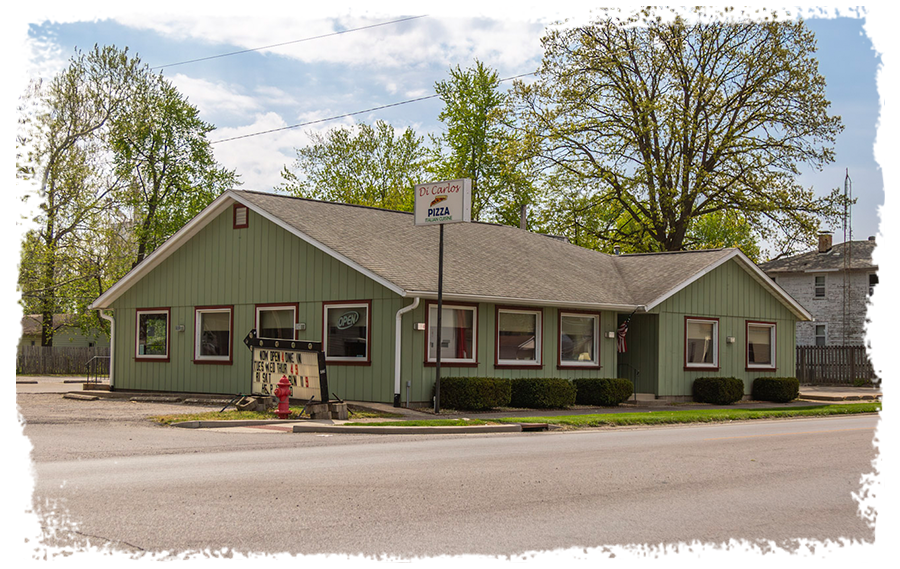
287 43
347 114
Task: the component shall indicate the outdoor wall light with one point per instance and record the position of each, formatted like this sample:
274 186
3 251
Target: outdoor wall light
420 326
610 334
730 339
179 328
300 326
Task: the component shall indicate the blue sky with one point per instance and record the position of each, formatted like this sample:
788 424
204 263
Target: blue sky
310 80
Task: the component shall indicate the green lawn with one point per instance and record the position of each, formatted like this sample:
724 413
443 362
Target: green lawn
659 417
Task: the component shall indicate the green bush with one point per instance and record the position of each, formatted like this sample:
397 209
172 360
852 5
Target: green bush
718 390
777 389
602 391
542 393
474 393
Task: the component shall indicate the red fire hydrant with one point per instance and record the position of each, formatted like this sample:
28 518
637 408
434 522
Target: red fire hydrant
282 392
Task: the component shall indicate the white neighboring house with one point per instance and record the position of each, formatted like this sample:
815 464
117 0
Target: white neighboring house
834 284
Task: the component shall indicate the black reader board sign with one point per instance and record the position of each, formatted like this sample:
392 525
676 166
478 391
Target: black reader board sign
301 362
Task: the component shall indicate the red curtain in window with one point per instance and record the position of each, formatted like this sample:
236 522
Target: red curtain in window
460 334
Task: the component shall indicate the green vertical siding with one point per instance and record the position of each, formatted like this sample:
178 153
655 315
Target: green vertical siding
263 264
730 294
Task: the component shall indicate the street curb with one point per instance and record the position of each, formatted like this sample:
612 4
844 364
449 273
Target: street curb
221 424
386 430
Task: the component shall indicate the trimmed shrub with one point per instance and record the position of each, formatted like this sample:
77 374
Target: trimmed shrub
542 393
474 393
602 391
777 389
718 390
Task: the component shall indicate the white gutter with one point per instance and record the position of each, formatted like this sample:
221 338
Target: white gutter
397 334
112 343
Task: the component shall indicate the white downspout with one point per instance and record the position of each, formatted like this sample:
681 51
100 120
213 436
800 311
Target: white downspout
397 335
112 343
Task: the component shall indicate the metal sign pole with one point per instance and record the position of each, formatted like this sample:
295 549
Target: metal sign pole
437 368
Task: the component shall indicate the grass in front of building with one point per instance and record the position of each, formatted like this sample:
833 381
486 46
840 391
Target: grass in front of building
658 417
234 415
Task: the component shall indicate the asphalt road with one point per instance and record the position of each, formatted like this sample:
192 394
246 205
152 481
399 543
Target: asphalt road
132 486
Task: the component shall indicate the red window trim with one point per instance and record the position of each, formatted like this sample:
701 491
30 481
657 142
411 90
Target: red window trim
701 367
368 304
540 332
137 334
445 363
230 359
559 361
774 338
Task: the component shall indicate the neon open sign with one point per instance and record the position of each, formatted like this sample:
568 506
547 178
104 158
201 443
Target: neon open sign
347 320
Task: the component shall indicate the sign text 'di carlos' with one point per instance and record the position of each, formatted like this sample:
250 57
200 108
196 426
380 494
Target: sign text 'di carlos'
444 202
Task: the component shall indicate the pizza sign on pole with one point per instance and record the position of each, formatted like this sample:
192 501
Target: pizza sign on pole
438 203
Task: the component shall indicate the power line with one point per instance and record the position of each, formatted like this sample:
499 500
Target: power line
287 42
347 114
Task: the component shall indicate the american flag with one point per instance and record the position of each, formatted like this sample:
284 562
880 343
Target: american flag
623 329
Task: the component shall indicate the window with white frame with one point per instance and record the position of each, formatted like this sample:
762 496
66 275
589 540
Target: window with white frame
276 322
152 335
821 334
346 337
518 337
212 340
820 286
760 345
579 339
701 343
458 334
873 280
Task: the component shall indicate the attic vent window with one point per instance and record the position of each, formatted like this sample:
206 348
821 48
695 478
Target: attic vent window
240 216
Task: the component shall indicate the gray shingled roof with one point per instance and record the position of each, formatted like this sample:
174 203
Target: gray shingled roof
652 276
481 260
860 259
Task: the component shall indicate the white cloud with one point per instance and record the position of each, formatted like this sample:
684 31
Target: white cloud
443 40
43 59
258 160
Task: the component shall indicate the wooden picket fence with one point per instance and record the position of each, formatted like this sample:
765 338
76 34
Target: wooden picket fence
834 365
40 360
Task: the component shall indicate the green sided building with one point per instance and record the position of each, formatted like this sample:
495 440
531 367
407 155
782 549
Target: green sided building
363 282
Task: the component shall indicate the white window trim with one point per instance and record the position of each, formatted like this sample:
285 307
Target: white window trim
816 335
433 322
538 338
715 338
137 335
344 306
198 312
275 307
772 339
817 286
581 363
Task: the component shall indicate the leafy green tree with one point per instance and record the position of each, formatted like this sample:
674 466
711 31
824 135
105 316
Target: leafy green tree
165 161
370 165
60 152
669 122
480 144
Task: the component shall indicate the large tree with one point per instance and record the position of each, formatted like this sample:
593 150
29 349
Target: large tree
480 144
669 123
371 165
165 162
61 145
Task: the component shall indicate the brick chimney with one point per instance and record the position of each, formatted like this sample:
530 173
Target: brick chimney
824 242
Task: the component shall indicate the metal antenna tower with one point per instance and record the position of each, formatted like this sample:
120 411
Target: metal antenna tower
848 253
